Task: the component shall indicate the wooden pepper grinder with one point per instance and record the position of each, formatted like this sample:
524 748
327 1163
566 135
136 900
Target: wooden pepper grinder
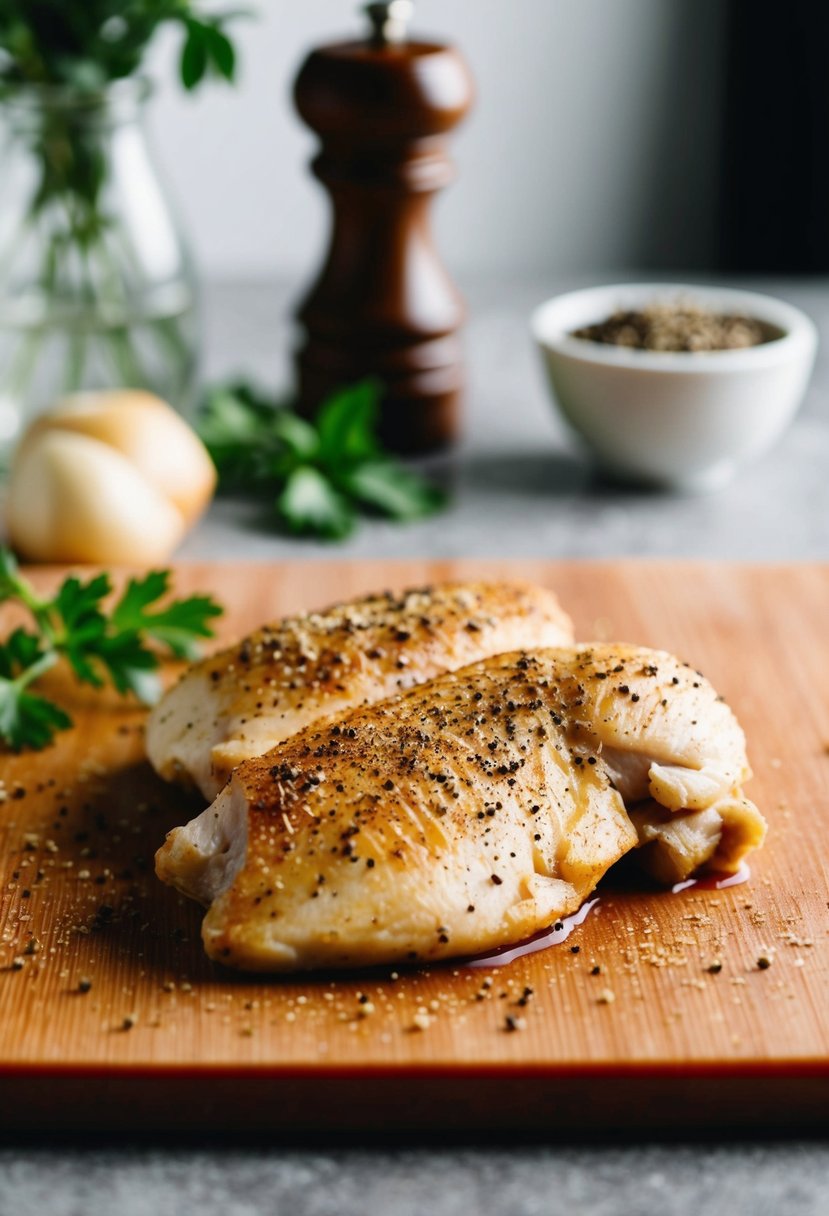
383 303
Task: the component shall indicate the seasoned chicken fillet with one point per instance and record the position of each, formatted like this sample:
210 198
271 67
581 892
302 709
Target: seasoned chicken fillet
465 814
241 702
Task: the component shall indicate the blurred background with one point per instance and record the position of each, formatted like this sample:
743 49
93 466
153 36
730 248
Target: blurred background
610 140
595 143
607 135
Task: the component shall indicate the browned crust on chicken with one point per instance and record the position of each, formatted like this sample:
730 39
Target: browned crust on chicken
465 814
244 700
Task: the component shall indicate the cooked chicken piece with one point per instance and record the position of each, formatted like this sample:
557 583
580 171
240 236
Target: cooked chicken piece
241 702
463 815
681 843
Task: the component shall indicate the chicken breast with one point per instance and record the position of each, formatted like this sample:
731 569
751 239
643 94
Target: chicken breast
242 701
465 814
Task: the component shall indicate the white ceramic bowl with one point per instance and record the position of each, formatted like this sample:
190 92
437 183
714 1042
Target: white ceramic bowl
680 420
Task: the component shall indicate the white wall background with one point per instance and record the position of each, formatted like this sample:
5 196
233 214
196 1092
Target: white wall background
593 145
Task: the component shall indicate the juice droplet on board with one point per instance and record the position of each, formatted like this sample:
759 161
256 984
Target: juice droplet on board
714 882
554 936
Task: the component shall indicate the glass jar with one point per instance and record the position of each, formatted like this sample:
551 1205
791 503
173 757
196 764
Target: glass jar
96 286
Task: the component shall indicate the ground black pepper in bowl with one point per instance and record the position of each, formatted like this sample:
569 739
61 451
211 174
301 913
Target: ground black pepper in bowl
678 327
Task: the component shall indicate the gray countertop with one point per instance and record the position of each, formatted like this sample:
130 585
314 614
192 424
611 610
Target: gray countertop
519 489
606 1180
518 485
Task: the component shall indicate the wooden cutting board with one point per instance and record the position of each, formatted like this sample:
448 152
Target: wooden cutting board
631 1030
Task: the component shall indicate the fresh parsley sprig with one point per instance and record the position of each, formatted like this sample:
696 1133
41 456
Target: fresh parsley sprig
100 646
319 475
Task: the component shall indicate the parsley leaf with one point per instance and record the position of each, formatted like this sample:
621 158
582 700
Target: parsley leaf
347 424
82 624
27 720
19 651
24 717
309 503
322 473
101 646
178 626
129 665
396 492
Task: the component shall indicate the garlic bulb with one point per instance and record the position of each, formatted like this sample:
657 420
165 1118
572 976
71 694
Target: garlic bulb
114 477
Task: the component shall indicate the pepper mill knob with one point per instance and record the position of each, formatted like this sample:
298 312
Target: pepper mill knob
390 20
383 303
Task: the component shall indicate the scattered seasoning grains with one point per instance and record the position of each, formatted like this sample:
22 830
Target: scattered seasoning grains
763 962
421 1020
17 963
129 1021
596 970
84 984
32 946
606 997
512 1022
714 968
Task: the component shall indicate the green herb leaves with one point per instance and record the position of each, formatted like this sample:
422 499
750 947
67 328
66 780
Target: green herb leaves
310 504
101 647
24 717
86 44
392 490
321 474
206 48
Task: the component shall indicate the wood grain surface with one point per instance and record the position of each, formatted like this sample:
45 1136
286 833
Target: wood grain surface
164 1038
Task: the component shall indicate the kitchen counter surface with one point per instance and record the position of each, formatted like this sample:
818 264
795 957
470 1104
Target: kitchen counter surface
518 489
518 485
